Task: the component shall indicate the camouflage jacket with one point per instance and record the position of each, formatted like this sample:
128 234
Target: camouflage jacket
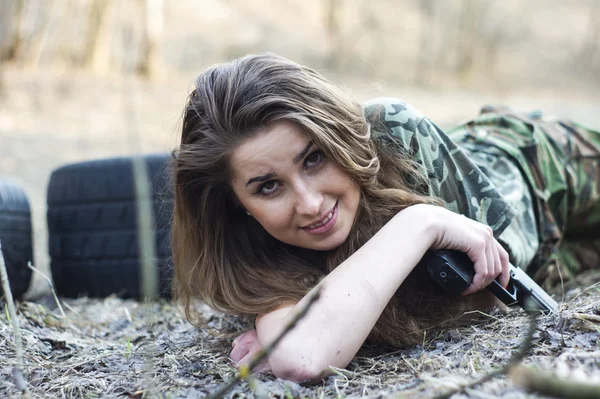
560 160
474 180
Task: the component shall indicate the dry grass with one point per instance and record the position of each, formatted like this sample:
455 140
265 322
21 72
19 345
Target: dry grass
121 348
116 348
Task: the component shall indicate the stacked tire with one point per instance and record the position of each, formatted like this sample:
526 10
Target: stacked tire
92 226
15 236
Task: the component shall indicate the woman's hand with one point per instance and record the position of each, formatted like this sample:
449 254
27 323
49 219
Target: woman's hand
477 240
245 348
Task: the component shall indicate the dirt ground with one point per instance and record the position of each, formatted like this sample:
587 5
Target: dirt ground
113 348
117 348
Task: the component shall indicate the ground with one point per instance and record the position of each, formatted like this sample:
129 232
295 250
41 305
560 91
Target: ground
120 348
117 348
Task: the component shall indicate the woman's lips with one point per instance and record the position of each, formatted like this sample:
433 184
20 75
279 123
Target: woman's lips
324 227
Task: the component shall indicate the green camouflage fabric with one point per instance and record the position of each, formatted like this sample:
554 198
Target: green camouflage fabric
453 175
560 160
525 178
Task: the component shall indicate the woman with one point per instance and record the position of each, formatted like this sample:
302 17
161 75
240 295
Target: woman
283 182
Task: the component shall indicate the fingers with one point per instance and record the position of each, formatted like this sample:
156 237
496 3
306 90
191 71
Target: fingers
491 264
481 272
504 277
243 344
238 352
497 262
484 262
246 338
477 241
236 341
245 347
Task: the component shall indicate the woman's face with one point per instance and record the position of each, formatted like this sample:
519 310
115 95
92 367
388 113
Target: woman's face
289 187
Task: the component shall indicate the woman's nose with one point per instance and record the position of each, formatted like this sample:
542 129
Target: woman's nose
309 201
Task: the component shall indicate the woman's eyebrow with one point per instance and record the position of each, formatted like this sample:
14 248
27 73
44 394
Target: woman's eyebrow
268 176
303 153
261 178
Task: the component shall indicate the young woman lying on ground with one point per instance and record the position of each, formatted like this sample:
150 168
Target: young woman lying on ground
283 182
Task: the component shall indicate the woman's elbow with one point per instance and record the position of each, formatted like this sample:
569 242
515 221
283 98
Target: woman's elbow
300 371
301 375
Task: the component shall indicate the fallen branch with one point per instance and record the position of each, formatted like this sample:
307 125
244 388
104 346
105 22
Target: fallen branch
550 385
514 360
62 312
18 368
587 317
246 369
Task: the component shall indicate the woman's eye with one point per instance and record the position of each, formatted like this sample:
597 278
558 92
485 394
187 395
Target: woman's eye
313 159
268 187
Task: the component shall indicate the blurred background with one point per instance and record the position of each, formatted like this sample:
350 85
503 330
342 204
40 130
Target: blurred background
85 79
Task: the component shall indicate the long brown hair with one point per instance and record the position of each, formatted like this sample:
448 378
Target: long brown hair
224 257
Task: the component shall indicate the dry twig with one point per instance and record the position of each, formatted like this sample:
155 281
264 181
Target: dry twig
512 362
35 269
18 368
549 384
145 230
245 370
587 317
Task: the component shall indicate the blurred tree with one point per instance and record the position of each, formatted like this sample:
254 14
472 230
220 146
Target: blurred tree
333 10
151 61
469 18
65 44
39 41
589 53
13 14
425 53
97 44
365 39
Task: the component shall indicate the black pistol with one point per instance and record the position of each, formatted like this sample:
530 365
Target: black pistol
454 271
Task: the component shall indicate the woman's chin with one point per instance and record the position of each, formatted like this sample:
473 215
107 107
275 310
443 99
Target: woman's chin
329 244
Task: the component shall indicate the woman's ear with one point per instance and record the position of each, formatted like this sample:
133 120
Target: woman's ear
234 198
236 204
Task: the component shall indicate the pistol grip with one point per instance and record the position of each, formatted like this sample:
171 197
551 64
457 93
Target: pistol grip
443 268
507 295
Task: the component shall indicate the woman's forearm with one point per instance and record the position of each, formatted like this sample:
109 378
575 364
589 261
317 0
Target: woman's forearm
353 297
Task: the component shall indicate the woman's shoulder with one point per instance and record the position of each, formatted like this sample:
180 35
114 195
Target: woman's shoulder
391 108
391 116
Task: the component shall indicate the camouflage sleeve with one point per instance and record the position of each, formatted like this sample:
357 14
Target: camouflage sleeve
451 175
520 238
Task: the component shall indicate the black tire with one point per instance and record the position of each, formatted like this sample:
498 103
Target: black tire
15 237
92 227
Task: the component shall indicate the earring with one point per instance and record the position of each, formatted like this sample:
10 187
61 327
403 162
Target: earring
248 213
